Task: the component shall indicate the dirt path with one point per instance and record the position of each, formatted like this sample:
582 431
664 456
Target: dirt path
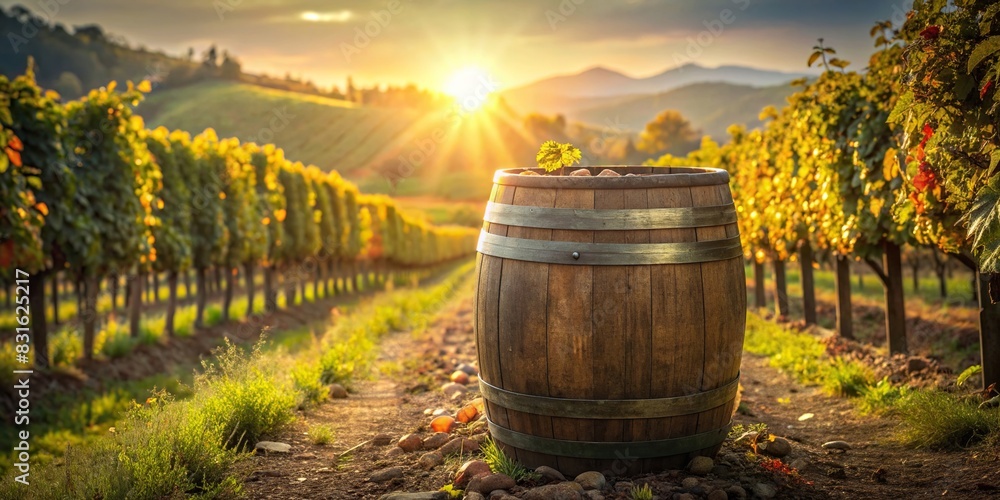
384 409
387 407
876 466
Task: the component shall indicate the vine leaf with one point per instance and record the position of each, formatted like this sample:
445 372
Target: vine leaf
553 155
814 57
985 48
967 374
984 227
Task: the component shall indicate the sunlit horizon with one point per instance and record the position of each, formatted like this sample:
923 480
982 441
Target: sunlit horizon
522 41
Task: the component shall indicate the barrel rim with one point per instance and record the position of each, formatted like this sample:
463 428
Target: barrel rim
663 177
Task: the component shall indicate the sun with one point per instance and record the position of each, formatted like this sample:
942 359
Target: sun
471 87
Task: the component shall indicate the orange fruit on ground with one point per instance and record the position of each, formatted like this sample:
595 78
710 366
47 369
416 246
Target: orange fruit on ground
444 423
468 414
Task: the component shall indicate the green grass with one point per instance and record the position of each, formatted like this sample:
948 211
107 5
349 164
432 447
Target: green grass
321 434
643 492
189 445
244 396
881 398
798 354
942 420
445 212
804 357
929 418
959 287
846 378
308 380
77 418
348 348
113 341
500 463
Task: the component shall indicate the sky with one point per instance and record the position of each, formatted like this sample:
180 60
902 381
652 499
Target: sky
515 41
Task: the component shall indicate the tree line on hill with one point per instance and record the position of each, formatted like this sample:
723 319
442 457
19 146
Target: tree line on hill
72 62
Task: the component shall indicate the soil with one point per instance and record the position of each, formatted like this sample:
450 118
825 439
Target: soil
394 405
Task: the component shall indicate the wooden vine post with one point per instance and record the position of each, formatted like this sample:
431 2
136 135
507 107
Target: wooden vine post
808 283
842 287
760 288
890 273
780 289
989 327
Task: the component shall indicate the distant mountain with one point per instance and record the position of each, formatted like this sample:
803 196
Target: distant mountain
569 93
711 107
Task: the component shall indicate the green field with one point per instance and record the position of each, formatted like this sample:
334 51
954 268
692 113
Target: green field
455 158
329 133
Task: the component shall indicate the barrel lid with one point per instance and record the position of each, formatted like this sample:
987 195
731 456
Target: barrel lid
645 177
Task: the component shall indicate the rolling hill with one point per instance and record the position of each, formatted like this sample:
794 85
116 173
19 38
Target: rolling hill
437 154
711 107
568 93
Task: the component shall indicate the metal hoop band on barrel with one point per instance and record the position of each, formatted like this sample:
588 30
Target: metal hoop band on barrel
610 408
608 450
609 219
608 254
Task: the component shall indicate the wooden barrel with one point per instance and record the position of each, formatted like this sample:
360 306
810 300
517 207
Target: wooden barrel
610 314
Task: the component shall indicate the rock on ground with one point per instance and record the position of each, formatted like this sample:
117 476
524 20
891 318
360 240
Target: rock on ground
736 492
337 391
778 448
491 482
436 440
410 443
591 480
469 470
459 445
718 495
764 490
426 495
460 377
559 491
430 460
383 475
451 390
836 445
273 447
549 474
701 465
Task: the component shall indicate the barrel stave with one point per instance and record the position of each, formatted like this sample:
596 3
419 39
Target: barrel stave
611 331
524 292
487 307
570 331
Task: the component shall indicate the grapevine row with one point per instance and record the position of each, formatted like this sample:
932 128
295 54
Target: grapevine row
861 163
87 190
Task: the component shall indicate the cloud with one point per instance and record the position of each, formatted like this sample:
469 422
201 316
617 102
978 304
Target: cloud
326 17
525 38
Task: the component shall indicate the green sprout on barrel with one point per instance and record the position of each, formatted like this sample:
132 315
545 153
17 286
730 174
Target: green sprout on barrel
554 155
